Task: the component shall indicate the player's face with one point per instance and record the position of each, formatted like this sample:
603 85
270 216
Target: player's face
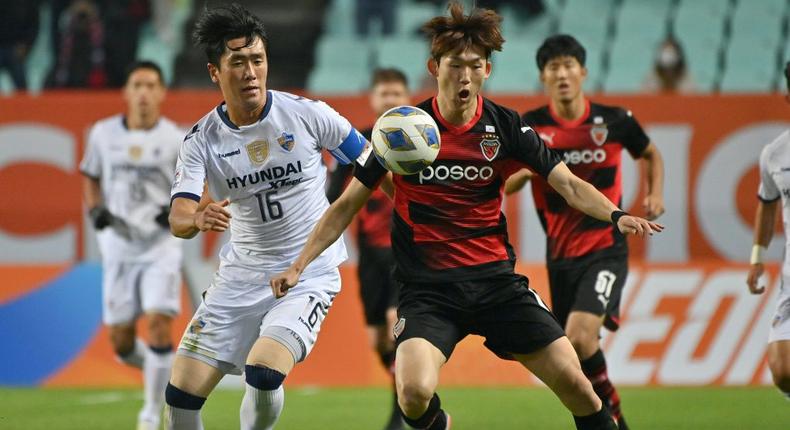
460 75
242 73
563 78
387 95
143 91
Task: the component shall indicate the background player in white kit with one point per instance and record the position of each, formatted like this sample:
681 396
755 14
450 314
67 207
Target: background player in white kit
259 152
775 185
128 170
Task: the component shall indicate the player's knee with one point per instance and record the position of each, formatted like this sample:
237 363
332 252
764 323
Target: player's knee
781 377
178 398
263 378
122 341
413 397
159 329
584 343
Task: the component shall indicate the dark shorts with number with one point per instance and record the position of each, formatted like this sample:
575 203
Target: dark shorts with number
592 284
376 287
504 310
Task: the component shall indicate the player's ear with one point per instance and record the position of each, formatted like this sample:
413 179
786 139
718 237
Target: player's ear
488 67
213 72
433 67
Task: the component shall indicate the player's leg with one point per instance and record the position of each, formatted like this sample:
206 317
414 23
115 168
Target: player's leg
191 381
386 348
779 363
120 308
598 290
287 335
159 286
416 377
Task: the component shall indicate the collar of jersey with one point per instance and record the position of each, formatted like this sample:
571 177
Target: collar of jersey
571 124
223 114
458 129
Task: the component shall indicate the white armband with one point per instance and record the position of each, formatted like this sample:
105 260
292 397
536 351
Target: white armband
757 254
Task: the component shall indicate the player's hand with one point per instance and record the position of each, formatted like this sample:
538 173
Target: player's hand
628 224
755 272
215 217
101 217
161 218
654 206
283 282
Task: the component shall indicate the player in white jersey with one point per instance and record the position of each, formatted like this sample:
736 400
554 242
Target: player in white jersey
259 156
775 186
128 169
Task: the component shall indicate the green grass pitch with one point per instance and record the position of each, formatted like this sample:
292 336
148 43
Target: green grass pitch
366 408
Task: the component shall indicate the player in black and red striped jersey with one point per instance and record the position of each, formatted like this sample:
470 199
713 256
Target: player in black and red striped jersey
453 258
587 259
389 88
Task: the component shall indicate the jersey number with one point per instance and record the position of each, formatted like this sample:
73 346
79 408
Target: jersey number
267 205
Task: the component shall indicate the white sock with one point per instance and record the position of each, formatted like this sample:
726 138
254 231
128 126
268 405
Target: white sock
136 356
156 373
182 419
260 409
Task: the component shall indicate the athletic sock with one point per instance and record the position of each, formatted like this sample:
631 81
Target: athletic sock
594 368
136 356
183 410
260 409
600 420
434 418
156 373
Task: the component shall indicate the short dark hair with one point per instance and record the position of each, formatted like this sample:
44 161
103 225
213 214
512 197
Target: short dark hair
458 31
390 74
144 64
560 45
218 25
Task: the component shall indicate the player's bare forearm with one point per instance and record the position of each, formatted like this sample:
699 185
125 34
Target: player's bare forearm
182 218
333 223
91 191
579 194
517 181
654 169
388 186
764 221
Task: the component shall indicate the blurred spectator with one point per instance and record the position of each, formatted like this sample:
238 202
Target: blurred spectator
370 10
80 52
18 29
122 21
669 74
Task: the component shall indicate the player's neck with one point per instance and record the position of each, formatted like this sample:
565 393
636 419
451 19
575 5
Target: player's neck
570 110
456 114
243 115
142 121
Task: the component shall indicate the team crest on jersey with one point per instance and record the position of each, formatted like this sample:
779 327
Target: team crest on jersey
286 141
397 329
196 326
599 132
258 151
490 146
135 152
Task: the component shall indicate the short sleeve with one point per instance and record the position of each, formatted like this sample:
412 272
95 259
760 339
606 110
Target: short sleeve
634 139
337 135
190 172
528 148
768 191
367 168
91 161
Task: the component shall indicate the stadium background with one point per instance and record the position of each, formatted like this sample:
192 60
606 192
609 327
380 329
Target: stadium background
688 317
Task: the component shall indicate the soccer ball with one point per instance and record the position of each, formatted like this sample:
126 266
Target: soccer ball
405 140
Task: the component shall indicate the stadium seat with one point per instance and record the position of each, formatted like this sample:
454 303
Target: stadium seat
629 63
642 21
339 18
750 67
333 80
409 54
411 16
576 20
514 69
342 52
760 21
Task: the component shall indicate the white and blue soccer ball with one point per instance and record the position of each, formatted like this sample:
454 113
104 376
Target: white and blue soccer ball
405 140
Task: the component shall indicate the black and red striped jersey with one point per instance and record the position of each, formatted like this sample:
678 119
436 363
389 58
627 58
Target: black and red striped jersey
375 218
591 147
448 224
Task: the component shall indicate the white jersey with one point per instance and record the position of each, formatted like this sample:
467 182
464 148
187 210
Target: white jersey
775 182
272 172
135 169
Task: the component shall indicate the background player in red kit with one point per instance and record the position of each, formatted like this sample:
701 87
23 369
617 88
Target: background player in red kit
587 259
449 236
388 88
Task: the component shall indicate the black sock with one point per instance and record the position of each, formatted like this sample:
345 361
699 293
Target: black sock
594 368
387 360
433 418
600 420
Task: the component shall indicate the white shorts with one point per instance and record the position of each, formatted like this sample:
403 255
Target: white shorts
234 314
780 323
130 289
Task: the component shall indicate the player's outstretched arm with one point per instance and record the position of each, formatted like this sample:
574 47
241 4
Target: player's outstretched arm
516 181
764 221
584 197
188 217
325 233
